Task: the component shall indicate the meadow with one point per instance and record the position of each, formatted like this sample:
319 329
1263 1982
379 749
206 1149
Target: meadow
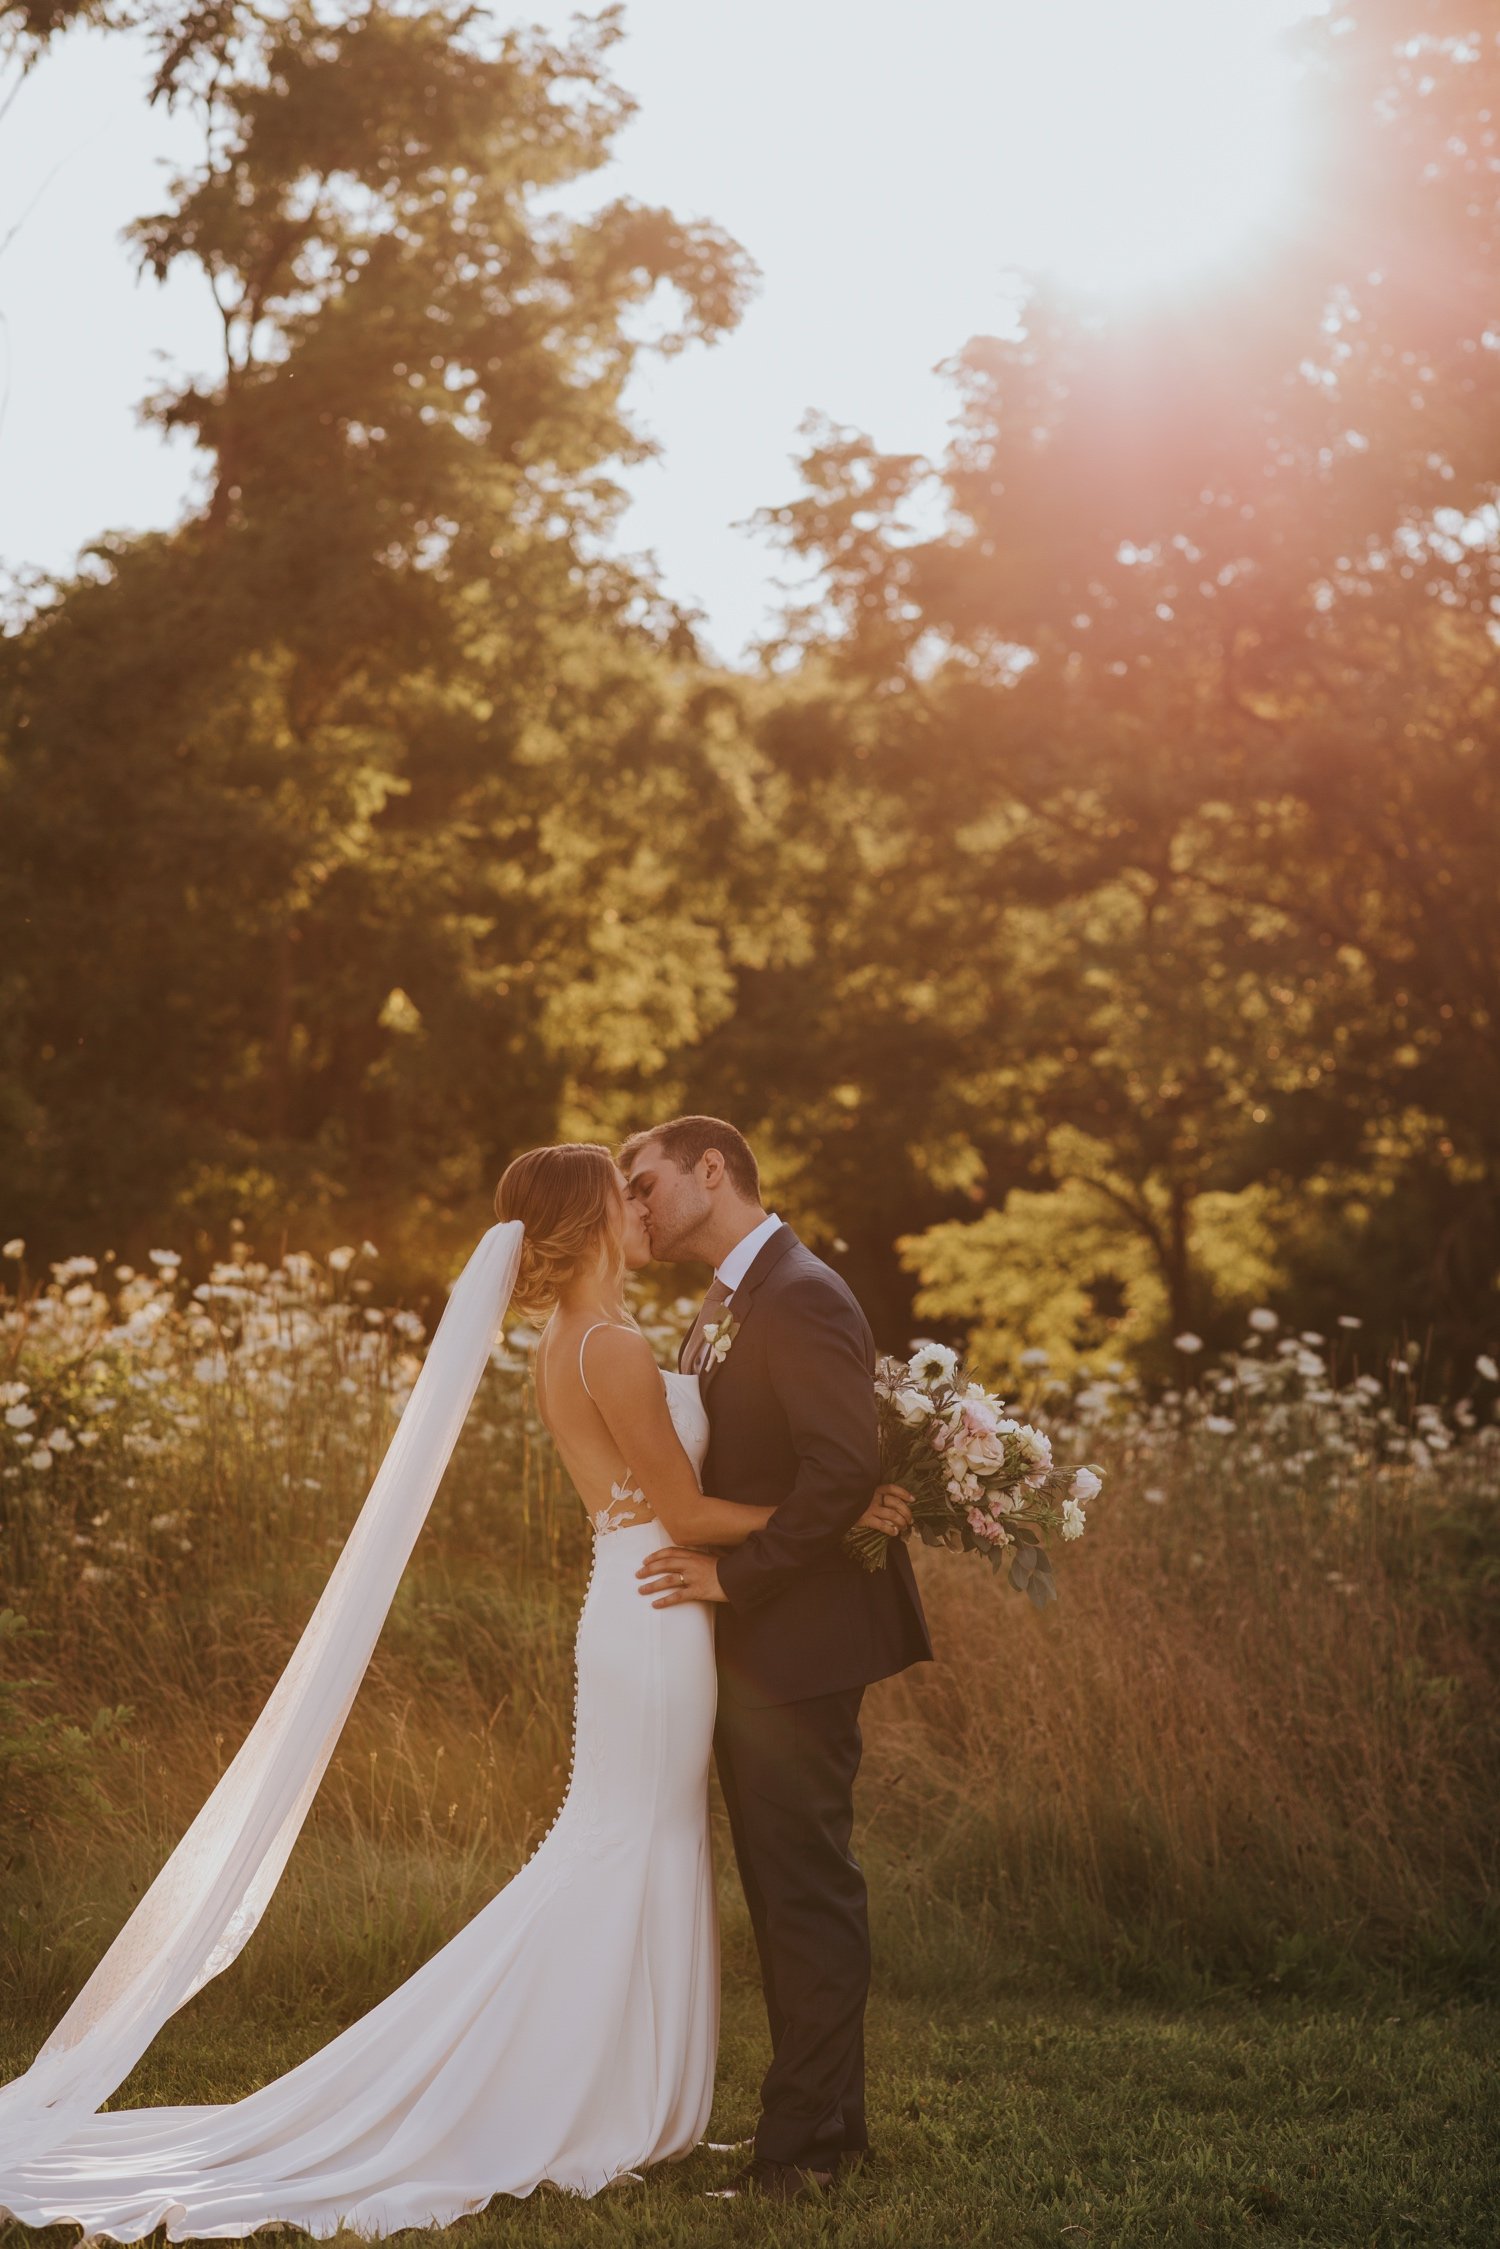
1183 1887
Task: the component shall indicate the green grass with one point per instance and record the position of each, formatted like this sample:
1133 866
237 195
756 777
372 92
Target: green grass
1028 2122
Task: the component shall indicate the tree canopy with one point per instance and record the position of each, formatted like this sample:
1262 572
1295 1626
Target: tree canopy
1090 907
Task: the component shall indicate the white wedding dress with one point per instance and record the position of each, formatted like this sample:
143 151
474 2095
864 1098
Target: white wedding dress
567 2034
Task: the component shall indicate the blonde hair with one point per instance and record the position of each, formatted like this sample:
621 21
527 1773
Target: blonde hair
564 1197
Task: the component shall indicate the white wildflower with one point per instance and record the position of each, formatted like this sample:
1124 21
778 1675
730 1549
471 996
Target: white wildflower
1219 1425
167 1259
1036 1357
19 1416
60 1440
1187 1342
1486 1366
15 1247
1073 1523
11 1393
39 1457
1086 1486
1264 1320
74 1269
340 1260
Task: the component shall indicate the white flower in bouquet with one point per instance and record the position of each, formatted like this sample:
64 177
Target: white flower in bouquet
1033 1449
979 1481
933 1363
913 1405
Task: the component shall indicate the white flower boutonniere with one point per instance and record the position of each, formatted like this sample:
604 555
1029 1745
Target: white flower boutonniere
721 1335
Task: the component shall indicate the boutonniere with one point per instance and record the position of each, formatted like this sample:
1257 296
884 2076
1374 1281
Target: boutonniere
721 1335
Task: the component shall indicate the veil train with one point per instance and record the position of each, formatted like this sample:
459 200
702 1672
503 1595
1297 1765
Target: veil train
208 1898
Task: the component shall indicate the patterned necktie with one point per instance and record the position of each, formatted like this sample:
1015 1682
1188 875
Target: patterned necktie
696 1349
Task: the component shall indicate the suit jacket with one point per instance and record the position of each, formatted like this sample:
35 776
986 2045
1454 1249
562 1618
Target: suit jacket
791 1411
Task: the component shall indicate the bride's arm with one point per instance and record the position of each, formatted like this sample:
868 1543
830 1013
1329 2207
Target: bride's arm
625 1384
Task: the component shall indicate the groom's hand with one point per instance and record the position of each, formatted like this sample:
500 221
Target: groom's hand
680 1573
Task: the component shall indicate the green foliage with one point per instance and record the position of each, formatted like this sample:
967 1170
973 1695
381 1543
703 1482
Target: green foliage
325 786
1095 896
48 1764
1190 710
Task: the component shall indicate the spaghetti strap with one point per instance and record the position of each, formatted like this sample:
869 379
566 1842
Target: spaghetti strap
582 1340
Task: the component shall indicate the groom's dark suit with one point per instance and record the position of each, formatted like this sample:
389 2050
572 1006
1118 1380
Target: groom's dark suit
791 1412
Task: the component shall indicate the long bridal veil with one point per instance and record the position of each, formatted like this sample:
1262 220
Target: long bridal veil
212 1891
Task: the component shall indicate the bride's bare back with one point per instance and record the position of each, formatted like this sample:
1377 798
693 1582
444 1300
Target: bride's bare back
605 1403
601 1476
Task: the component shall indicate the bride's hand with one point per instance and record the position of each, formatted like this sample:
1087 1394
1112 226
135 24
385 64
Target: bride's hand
889 1511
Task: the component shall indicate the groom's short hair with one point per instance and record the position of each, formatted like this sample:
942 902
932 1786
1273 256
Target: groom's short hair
688 1139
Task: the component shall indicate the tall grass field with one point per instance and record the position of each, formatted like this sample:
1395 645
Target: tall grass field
1182 1887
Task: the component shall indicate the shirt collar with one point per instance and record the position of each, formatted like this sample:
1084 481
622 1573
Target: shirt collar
740 1259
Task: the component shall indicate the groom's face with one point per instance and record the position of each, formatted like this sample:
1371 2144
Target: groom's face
675 1203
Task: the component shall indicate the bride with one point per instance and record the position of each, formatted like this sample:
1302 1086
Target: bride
568 2033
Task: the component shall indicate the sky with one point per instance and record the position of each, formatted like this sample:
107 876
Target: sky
889 165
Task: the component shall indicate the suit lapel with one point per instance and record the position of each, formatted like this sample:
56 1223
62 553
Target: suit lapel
742 1303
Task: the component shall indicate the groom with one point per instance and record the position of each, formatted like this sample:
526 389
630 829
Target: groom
786 1361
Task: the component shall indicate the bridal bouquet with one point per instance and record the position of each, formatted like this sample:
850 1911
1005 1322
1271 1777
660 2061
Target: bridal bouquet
979 1481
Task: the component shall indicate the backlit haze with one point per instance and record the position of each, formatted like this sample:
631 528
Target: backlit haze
890 169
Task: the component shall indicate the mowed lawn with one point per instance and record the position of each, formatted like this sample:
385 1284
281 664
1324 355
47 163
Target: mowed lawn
1072 2122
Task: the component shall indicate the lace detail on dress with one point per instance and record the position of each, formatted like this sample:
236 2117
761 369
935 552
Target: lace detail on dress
625 1497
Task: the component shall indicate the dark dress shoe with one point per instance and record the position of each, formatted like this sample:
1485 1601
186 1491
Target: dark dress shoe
776 2182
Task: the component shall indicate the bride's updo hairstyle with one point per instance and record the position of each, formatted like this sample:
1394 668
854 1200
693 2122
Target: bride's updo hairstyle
565 1199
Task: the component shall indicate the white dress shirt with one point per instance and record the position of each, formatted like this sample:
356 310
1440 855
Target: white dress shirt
740 1259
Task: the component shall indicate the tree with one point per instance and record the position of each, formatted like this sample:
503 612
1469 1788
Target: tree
1193 699
298 786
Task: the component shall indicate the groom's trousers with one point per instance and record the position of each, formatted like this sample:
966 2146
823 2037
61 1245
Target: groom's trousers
787 1773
